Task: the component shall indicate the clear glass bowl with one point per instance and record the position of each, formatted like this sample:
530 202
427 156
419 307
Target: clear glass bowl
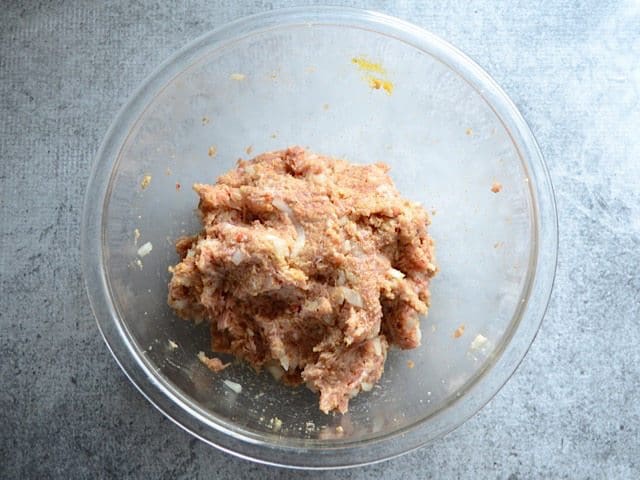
287 77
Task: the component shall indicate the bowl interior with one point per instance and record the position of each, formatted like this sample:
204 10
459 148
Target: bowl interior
298 84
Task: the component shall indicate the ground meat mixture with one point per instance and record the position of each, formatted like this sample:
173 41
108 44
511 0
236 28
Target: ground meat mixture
307 266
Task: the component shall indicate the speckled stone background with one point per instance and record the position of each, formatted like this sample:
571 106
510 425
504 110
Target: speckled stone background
573 408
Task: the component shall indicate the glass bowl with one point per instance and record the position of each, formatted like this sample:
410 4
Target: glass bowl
352 84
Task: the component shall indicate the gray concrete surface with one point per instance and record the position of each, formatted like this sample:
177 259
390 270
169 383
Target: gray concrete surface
571 411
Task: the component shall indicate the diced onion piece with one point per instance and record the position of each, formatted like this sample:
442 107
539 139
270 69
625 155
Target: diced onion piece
352 297
479 342
145 249
384 189
397 274
277 424
282 206
300 234
318 178
337 295
236 387
366 386
284 361
300 239
237 257
279 244
311 305
356 250
377 346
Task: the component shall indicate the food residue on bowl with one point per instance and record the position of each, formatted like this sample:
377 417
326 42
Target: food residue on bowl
145 182
479 346
145 249
309 267
368 66
238 77
136 236
496 187
276 424
411 363
172 345
213 151
233 386
212 363
478 342
378 81
459 331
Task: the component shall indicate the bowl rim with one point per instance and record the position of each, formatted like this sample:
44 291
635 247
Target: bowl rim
479 393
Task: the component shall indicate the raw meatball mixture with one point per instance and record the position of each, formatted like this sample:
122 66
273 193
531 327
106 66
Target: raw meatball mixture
307 266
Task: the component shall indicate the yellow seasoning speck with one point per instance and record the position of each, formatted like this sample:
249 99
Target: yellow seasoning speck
376 82
367 66
146 180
